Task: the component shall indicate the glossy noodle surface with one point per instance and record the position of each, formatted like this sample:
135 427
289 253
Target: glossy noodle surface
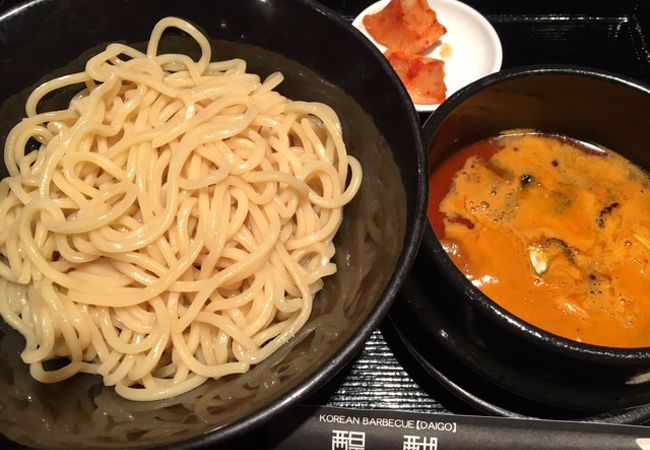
172 225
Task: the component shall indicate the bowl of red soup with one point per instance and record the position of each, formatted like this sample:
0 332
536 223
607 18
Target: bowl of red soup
539 207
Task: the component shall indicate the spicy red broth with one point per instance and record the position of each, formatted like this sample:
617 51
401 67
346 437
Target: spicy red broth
553 231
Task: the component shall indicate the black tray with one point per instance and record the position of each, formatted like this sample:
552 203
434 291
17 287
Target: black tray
389 373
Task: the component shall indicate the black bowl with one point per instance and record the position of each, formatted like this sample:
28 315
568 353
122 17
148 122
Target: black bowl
323 59
582 103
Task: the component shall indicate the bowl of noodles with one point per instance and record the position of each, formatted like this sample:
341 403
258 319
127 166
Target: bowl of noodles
202 218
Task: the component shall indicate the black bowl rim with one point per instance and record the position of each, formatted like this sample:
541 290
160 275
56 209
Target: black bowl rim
410 248
489 308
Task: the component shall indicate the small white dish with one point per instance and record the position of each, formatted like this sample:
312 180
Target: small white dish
470 48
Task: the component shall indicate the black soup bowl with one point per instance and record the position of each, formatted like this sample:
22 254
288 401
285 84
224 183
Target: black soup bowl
323 59
581 103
